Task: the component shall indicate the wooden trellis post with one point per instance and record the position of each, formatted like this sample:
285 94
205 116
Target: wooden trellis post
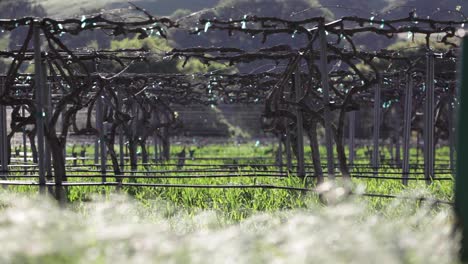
461 178
288 147
40 115
102 135
121 138
279 154
121 149
135 114
299 125
47 112
62 118
376 127
155 144
351 136
155 139
326 100
25 150
407 127
96 146
397 121
397 150
96 140
3 137
429 120
451 135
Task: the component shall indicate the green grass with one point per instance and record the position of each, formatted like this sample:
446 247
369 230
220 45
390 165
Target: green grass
183 225
238 204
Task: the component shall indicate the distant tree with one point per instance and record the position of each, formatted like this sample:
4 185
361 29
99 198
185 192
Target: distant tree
409 48
18 9
156 62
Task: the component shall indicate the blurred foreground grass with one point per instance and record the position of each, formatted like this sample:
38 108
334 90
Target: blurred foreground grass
176 225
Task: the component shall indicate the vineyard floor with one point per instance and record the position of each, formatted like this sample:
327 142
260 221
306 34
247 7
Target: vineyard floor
334 223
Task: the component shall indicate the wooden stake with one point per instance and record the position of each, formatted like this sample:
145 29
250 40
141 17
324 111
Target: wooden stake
40 115
326 100
3 139
429 121
376 127
351 136
407 128
102 135
299 125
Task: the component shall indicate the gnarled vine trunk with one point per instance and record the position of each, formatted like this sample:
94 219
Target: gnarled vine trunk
315 152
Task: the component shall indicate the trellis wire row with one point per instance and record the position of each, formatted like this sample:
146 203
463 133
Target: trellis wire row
258 186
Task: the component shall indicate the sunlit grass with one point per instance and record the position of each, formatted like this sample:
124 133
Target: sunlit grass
192 225
117 229
238 203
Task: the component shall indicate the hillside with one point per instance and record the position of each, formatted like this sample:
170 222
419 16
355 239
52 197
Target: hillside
60 8
391 8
